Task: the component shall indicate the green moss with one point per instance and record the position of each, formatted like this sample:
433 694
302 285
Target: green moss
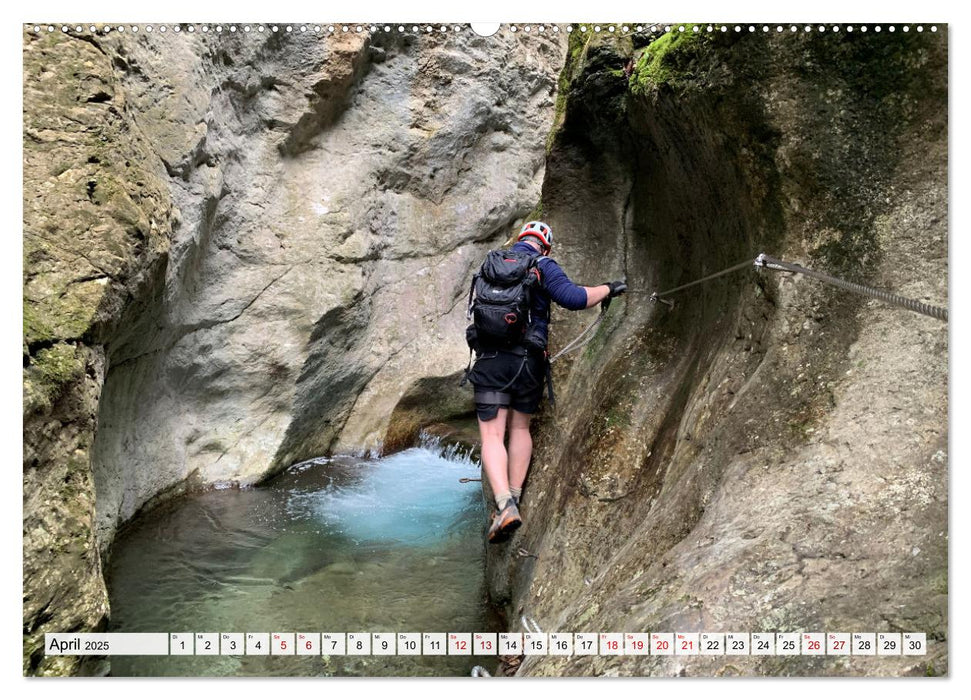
666 60
594 349
50 370
618 417
36 327
57 364
66 315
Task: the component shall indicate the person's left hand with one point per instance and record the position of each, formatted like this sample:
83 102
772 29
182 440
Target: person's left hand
617 288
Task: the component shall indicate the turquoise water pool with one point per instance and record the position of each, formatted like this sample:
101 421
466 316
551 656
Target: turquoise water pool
342 544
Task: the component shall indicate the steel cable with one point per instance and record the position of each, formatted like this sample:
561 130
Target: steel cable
920 307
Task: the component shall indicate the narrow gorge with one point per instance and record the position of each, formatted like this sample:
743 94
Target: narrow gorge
246 251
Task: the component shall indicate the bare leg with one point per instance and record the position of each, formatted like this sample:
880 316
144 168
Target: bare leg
494 457
520 448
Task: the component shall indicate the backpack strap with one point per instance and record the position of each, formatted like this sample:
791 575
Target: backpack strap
534 268
468 311
549 307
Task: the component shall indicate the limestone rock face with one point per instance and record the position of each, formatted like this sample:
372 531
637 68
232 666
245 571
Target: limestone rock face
96 222
334 194
771 453
240 251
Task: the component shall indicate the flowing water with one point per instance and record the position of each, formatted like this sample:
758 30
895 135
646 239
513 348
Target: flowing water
333 545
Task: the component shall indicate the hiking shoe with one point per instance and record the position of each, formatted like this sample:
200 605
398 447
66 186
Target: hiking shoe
504 523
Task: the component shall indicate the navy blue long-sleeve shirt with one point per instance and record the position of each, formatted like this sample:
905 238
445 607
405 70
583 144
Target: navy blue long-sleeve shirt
556 286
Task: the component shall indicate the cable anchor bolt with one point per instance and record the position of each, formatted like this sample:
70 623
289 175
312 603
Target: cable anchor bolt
656 299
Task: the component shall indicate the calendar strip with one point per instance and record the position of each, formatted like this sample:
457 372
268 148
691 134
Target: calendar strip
487 644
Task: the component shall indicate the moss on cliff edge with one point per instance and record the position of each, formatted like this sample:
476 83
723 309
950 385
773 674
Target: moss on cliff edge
50 371
668 60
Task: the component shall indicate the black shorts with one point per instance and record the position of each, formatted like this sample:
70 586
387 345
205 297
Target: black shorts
519 377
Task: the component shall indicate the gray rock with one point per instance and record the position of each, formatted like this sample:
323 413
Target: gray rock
769 454
273 239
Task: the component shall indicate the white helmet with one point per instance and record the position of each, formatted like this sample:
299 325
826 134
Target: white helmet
540 231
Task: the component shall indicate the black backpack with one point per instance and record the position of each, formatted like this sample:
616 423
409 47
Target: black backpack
500 299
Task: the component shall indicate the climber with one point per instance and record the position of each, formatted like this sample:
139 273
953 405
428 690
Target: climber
509 303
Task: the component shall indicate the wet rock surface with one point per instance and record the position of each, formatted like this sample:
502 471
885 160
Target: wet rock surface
770 454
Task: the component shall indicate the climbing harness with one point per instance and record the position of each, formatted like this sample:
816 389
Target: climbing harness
500 396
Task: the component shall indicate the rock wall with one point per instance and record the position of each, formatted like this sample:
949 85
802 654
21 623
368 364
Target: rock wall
334 194
244 250
97 218
771 453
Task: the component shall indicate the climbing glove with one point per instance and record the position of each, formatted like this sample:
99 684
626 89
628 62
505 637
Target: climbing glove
617 288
